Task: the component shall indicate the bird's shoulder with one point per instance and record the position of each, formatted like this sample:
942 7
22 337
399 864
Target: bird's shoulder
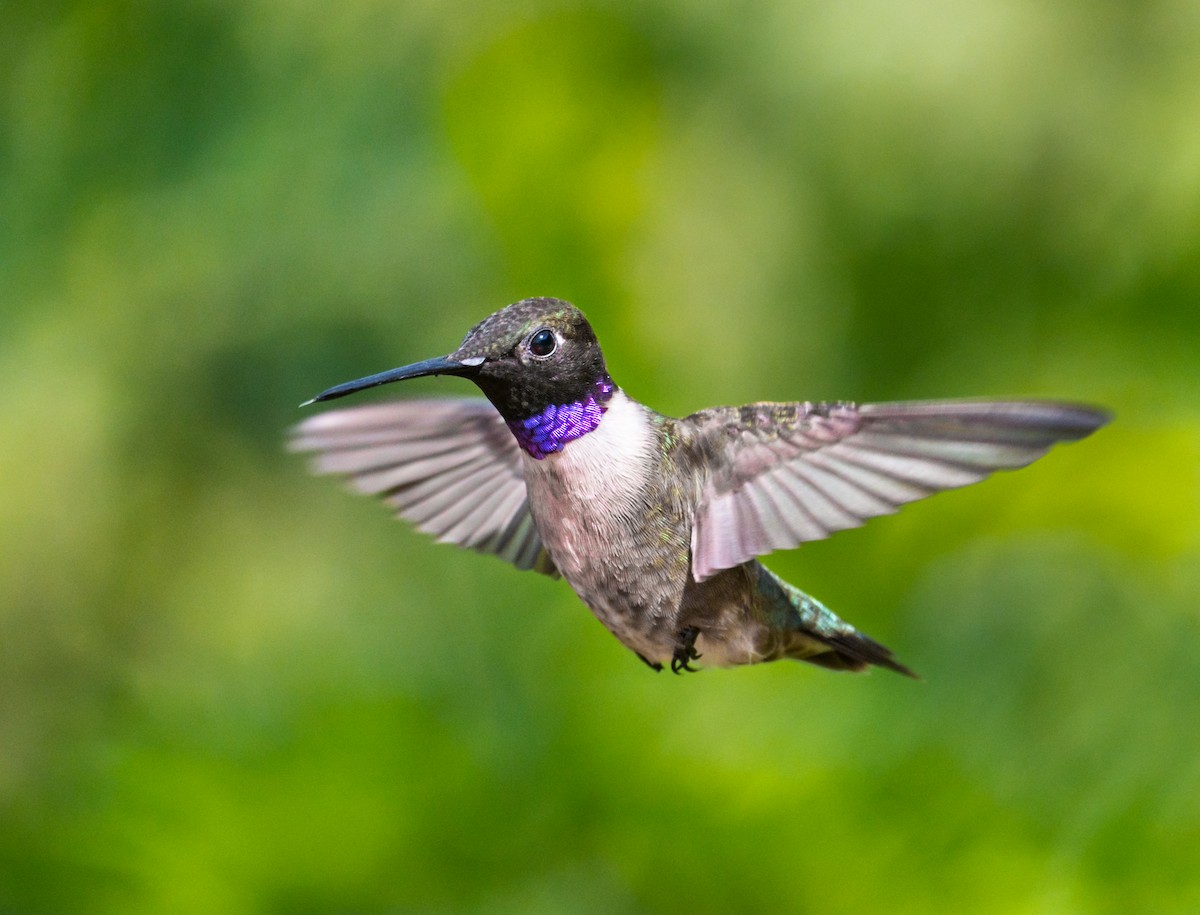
739 441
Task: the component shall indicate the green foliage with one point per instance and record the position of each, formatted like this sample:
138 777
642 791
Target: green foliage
228 687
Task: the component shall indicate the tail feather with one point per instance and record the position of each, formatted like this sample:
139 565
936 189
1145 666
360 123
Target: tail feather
818 635
858 651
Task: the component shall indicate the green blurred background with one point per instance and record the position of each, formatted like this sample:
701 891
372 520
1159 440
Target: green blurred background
227 686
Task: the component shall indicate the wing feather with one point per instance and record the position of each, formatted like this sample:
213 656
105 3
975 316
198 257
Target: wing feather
783 474
449 466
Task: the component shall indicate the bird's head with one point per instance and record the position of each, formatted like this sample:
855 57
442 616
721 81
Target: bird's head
525 357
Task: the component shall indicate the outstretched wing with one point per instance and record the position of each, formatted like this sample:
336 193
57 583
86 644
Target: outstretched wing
450 466
785 473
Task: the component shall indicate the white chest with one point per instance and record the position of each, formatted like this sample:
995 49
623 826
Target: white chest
594 487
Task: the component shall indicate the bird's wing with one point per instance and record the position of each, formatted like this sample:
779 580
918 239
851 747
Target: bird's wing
450 466
784 473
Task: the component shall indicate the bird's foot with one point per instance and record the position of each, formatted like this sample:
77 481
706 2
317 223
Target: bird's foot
685 650
653 665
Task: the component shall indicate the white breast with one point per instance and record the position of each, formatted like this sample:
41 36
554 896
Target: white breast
591 493
609 464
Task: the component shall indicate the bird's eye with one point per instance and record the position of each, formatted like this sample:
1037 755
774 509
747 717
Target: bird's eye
543 343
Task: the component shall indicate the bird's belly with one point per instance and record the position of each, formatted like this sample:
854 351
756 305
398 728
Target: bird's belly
632 588
644 594
622 549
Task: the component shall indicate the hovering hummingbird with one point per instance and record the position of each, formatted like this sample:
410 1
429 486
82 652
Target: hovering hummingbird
657 522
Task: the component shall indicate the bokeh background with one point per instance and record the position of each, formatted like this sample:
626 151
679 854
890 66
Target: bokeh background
227 686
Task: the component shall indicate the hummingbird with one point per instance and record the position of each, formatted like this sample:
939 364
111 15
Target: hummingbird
657 523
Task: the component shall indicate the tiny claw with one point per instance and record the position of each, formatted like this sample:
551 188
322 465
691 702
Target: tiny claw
685 651
653 665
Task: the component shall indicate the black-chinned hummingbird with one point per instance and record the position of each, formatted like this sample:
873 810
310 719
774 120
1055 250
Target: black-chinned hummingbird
657 522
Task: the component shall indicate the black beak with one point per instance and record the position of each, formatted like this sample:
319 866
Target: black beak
442 365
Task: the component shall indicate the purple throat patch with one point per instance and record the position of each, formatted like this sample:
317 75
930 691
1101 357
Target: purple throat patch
547 432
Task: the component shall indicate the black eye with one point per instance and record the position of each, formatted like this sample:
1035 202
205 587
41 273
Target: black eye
543 343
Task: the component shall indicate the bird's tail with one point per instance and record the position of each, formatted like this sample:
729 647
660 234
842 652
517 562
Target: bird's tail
814 633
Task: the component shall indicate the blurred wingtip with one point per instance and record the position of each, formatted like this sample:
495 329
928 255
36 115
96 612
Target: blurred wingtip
1087 417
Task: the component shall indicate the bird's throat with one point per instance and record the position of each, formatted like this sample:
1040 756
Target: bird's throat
553 427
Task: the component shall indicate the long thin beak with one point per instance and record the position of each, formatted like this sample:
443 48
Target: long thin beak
442 365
